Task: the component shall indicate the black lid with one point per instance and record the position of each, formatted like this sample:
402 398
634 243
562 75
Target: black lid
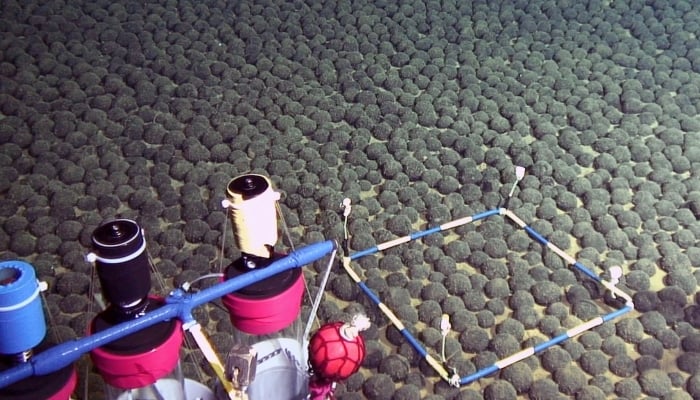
116 239
248 186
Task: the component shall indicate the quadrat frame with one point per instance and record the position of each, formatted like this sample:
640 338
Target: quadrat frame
453 378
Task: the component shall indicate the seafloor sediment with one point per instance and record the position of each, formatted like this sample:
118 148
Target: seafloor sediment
416 111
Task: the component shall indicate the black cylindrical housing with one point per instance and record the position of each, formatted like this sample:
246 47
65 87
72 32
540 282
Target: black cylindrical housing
122 262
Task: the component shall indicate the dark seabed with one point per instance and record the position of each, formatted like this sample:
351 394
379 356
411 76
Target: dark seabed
418 113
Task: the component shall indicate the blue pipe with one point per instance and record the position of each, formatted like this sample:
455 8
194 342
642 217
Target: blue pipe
179 304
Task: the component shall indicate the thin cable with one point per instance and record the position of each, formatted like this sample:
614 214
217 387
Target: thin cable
288 234
345 228
156 393
223 246
284 226
187 285
319 296
159 277
162 288
198 368
90 310
56 333
161 283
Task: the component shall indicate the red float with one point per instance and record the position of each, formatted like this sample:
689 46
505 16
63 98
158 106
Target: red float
332 355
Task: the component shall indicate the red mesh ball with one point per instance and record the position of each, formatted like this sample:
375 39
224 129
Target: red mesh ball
333 357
